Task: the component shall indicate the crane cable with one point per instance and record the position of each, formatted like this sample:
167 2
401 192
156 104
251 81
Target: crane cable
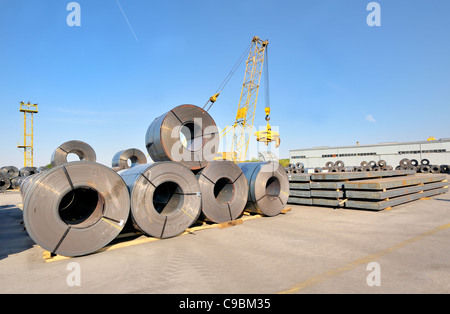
228 77
266 78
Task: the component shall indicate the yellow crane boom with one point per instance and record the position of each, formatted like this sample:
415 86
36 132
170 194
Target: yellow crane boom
245 115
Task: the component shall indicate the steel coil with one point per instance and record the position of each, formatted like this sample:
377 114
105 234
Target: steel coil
27 171
425 169
425 162
186 134
435 169
42 169
83 150
4 181
224 191
134 155
15 182
381 163
76 208
165 198
26 182
405 163
11 171
339 164
268 187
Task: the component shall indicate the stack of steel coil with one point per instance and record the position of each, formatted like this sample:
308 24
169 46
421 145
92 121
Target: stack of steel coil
77 207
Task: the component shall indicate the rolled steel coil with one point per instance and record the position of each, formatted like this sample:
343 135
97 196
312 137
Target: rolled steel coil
11 171
414 162
363 164
42 169
268 187
76 208
4 181
317 170
15 182
339 164
425 162
425 169
165 198
435 169
83 150
224 191
329 164
26 182
405 163
445 169
299 165
372 163
376 168
186 134
381 163
120 159
27 171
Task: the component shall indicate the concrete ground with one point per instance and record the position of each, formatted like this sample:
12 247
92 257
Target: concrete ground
307 250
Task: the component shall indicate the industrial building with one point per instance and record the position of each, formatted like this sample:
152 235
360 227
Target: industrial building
436 151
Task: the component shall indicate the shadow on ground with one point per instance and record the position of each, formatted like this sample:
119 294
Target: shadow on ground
13 236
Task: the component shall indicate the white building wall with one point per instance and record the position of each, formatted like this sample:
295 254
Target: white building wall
437 152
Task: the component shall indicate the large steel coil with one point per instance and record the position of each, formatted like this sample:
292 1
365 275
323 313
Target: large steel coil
224 191
134 155
186 134
268 187
4 181
26 182
27 171
165 198
76 208
11 171
83 150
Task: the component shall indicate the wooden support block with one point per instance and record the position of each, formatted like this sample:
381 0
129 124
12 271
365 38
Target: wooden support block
284 211
230 223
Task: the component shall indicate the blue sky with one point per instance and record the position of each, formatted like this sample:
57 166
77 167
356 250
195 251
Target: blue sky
333 79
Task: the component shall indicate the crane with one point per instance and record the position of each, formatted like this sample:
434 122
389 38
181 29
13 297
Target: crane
28 110
243 125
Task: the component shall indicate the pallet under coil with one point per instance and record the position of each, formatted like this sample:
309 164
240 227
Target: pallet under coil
364 190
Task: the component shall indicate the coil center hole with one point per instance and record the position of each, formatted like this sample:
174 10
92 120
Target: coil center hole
132 161
273 188
168 198
81 207
191 136
224 190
